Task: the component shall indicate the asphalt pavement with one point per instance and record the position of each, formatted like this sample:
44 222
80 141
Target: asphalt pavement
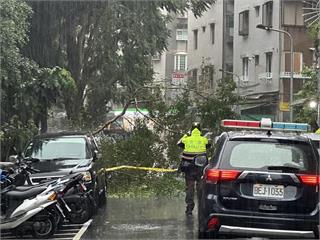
155 218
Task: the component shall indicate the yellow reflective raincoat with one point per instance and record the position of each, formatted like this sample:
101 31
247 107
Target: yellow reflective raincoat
195 143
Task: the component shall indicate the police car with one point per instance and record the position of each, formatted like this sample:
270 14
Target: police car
315 138
263 180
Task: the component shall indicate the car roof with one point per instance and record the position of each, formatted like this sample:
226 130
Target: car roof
61 134
312 136
264 134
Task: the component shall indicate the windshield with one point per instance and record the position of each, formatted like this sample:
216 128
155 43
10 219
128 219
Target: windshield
57 148
268 155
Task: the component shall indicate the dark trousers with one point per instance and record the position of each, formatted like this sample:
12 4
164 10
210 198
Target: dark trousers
192 178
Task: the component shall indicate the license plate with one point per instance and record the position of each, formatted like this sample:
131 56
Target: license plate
269 191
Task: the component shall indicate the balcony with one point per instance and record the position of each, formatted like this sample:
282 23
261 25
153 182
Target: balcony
266 76
244 80
295 75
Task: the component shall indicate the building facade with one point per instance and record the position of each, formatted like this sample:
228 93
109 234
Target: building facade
210 46
262 58
171 66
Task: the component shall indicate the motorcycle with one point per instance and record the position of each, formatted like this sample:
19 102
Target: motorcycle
28 210
74 200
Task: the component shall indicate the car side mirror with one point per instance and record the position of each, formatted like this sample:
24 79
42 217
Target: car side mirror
97 155
13 158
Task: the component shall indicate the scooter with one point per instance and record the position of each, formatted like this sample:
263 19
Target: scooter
29 210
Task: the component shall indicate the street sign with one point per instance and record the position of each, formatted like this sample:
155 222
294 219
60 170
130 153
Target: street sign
178 78
284 107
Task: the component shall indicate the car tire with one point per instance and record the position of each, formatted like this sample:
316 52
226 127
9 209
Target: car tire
316 232
81 209
103 197
202 234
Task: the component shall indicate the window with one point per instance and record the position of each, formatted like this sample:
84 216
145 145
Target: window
256 59
194 74
269 62
182 35
245 63
204 29
242 154
267 14
180 62
195 39
212 31
46 149
244 23
257 10
297 62
292 13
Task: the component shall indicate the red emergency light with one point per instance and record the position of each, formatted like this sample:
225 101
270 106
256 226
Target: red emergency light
240 123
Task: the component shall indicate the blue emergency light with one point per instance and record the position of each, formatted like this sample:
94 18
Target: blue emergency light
290 126
266 124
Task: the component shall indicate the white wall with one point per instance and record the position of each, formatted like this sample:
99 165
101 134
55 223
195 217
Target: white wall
258 42
211 52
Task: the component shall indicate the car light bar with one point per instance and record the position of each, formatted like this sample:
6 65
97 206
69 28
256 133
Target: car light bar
265 124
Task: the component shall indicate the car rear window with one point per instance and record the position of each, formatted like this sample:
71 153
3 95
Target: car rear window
261 155
55 148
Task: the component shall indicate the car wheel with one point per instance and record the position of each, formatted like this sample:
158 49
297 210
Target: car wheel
102 197
316 232
81 209
202 226
96 196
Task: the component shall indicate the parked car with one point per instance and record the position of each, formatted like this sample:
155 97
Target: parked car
59 154
261 182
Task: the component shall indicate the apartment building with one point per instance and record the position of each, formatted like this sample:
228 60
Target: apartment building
210 46
171 66
262 58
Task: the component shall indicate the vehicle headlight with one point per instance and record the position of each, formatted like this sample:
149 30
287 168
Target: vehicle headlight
86 176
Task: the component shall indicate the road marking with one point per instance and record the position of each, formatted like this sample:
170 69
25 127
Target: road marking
67 232
82 230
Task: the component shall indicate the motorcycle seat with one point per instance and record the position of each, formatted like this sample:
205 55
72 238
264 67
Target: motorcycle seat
15 194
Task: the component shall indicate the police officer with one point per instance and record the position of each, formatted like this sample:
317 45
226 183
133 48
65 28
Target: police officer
194 145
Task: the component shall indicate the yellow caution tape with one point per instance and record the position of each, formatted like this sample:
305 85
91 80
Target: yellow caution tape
140 168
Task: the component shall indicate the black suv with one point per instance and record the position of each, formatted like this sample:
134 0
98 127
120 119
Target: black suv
60 154
261 183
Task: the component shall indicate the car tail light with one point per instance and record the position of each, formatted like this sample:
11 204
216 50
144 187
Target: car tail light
310 179
213 223
218 175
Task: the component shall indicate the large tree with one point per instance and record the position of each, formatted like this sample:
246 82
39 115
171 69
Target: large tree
106 45
27 90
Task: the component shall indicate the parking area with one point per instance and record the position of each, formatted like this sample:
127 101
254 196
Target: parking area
66 232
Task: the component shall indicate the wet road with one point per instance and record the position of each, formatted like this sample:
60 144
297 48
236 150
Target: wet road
143 219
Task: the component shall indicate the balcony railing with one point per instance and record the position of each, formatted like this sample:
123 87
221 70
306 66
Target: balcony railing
265 76
244 79
295 75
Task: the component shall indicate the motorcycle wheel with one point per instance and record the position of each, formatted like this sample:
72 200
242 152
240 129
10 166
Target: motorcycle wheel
80 210
44 226
59 219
